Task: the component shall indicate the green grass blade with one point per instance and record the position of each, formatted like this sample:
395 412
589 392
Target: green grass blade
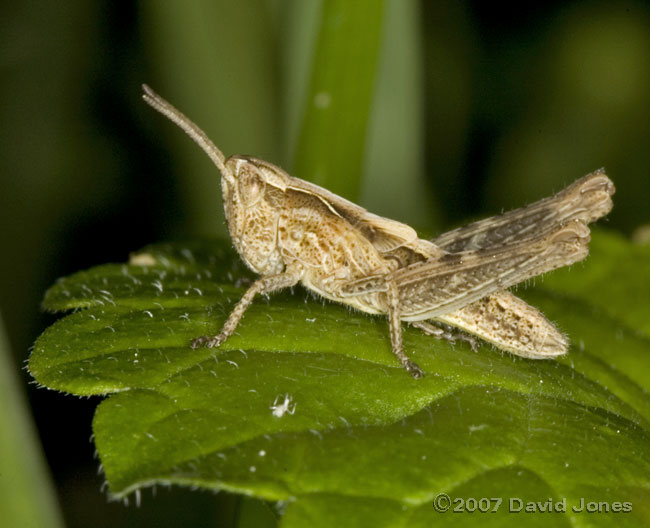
26 494
331 145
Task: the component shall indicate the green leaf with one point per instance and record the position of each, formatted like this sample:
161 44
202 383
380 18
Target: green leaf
306 403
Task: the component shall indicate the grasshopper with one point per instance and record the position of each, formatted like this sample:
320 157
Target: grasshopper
291 231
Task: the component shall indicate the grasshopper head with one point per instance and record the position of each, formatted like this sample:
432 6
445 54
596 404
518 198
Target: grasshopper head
253 192
253 198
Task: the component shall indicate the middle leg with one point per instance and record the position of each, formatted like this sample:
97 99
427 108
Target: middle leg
395 323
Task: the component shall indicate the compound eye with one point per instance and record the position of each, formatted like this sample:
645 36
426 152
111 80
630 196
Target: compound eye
251 187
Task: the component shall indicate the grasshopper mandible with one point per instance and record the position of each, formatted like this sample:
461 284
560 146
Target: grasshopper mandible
291 231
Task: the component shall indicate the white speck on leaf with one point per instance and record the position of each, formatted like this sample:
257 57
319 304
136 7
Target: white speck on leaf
142 259
480 427
279 409
187 254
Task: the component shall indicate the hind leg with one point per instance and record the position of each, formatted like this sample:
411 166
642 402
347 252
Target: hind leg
433 329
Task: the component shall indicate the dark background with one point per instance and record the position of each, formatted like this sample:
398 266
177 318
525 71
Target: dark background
503 105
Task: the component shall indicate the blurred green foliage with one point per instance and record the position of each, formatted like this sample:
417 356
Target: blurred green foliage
474 109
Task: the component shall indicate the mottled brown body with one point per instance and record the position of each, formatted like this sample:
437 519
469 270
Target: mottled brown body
291 231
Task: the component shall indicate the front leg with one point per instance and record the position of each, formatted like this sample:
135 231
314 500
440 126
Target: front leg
262 286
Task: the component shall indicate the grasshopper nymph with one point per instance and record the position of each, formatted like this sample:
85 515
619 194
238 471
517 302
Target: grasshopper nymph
291 231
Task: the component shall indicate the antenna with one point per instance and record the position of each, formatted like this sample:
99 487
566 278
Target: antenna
189 127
